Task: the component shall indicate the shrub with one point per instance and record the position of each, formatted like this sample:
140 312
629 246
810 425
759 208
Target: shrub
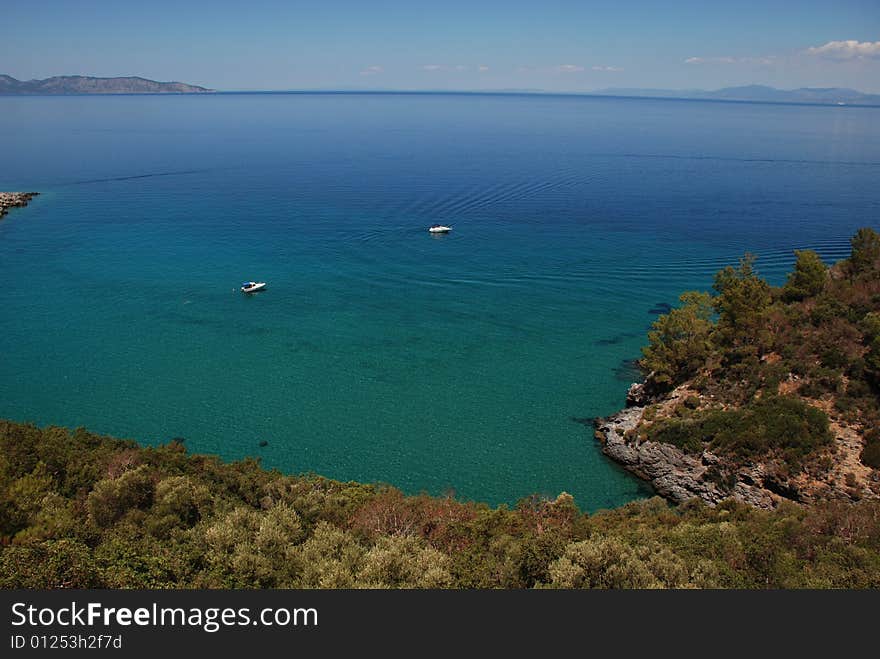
776 422
872 363
63 563
827 309
686 435
821 381
691 402
779 423
870 326
871 452
112 498
833 357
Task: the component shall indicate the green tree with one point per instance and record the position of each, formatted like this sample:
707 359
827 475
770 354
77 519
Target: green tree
742 302
865 256
678 344
808 277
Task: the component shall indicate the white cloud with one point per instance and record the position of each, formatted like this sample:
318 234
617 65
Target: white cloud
711 60
569 68
456 67
765 61
372 70
846 50
608 69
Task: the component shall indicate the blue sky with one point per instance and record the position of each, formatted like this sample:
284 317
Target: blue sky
392 44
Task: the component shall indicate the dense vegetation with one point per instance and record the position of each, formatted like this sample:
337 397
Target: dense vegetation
79 510
754 353
774 423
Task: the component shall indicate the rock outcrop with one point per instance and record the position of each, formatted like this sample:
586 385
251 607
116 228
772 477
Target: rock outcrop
14 199
673 473
679 476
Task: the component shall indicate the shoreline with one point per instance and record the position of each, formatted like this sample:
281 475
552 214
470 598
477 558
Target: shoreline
673 474
679 476
14 200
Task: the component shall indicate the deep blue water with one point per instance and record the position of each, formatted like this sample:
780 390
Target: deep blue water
380 352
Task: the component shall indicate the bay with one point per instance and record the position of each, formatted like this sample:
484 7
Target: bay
458 363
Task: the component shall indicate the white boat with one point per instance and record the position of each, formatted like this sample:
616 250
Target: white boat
252 286
439 228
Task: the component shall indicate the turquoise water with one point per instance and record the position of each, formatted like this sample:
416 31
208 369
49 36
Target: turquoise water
379 352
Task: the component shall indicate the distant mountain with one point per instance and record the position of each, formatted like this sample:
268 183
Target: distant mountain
90 85
824 95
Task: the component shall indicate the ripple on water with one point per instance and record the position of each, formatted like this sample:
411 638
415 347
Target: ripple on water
379 352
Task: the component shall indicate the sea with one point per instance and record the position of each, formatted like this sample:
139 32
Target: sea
467 364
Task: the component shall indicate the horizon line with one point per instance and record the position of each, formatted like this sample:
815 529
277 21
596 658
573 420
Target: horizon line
599 93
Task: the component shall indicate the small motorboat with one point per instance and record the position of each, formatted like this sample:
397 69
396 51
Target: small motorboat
439 228
253 286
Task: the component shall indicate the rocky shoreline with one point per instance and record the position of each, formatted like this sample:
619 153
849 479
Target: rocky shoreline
679 476
674 474
14 200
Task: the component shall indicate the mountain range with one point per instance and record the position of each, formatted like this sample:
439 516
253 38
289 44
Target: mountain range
91 85
761 93
824 95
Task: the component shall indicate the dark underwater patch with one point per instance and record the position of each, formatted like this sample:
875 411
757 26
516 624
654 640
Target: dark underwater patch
660 308
616 339
628 371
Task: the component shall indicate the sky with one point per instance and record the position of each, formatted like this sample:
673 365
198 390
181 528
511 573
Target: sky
545 45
